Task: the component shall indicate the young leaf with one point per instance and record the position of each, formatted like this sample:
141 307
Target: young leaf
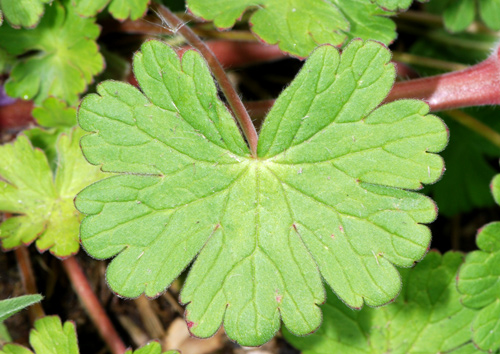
299 26
459 14
151 348
64 60
478 281
24 13
48 337
426 318
324 193
57 118
9 307
44 203
54 113
120 9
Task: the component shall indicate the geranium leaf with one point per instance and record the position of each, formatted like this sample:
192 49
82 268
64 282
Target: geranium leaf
120 9
478 281
299 26
49 336
427 317
329 171
24 13
459 14
151 348
9 307
54 113
43 204
66 55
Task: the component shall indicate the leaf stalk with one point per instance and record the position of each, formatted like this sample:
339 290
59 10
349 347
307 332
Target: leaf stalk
92 305
239 110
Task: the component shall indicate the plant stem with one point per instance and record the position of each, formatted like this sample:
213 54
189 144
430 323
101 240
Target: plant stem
92 305
475 125
427 62
475 86
24 264
232 97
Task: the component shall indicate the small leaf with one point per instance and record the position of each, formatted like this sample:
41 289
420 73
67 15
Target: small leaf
44 205
120 9
324 198
459 14
48 337
427 317
24 13
479 282
299 26
54 113
151 348
62 55
9 307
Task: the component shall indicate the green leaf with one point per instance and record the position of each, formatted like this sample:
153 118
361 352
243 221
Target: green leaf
120 9
24 13
59 57
151 348
479 282
299 26
49 336
459 14
9 307
426 318
367 21
323 197
54 113
43 204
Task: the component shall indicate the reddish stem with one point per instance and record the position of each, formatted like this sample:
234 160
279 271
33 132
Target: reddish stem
92 305
28 279
477 85
227 88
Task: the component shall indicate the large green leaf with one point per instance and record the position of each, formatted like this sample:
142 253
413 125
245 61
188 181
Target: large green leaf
120 9
24 13
323 198
9 307
459 14
59 57
49 336
299 26
43 204
427 317
479 282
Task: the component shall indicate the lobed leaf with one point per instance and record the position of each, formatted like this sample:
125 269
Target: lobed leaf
9 307
25 13
41 203
59 57
120 9
427 317
49 336
478 281
324 198
299 26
